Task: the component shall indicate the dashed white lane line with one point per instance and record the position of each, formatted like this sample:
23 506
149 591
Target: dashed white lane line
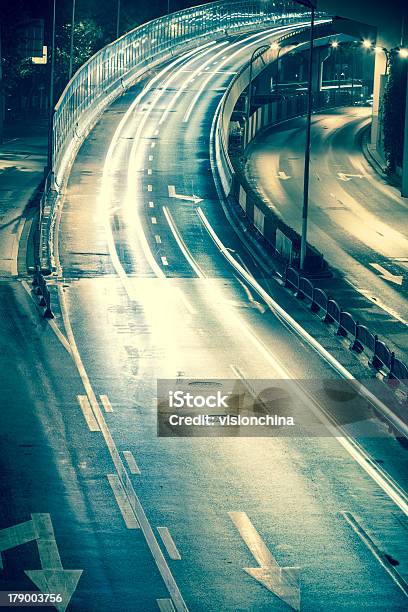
165 605
149 171
169 543
106 403
157 239
153 144
164 260
128 516
156 132
154 220
151 204
150 188
130 460
88 413
150 157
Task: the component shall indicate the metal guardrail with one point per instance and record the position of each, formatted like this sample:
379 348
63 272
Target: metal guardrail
382 358
114 65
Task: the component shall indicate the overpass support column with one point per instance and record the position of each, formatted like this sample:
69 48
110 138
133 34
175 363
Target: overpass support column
380 80
320 54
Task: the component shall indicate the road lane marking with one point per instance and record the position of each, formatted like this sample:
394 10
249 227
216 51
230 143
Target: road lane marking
182 244
150 188
123 502
164 260
376 552
150 157
377 474
154 220
393 278
130 460
173 194
347 177
106 403
283 176
282 581
149 171
169 543
157 239
151 204
165 605
87 412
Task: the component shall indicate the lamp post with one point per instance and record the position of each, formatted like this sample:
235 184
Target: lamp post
50 165
71 49
118 19
303 244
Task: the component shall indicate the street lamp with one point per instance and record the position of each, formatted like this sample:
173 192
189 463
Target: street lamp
51 103
303 244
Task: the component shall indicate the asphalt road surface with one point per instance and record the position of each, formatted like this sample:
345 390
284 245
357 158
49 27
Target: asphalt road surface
145 293
356 219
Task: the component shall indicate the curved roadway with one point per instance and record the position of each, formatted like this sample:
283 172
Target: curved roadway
145 293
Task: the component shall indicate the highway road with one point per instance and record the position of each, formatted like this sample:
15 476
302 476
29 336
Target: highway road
145 293
356 219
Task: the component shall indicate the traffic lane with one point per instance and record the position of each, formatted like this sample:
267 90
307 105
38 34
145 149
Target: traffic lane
326 221
53 464
288 487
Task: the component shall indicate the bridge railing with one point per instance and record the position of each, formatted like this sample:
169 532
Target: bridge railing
114 67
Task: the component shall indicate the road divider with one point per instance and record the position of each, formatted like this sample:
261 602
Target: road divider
382 358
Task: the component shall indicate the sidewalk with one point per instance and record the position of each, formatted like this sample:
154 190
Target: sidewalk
23 156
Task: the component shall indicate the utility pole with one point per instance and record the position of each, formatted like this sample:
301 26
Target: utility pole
71 50
118 20
303 246
51 100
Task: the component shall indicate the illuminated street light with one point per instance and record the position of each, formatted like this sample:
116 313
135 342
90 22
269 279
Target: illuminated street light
367 44
334 44
403 53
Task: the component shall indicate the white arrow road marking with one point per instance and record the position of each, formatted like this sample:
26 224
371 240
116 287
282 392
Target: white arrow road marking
173 194
283 176
393 278
282 581
347 177
15 536
169 543
52 578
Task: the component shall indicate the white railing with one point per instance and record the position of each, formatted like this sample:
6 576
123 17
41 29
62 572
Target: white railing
115 66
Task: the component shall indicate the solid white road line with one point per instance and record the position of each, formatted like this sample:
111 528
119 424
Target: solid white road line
182 244
130 460
123 503
383 480
169 543
87 412
106 403
376 552
133 499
